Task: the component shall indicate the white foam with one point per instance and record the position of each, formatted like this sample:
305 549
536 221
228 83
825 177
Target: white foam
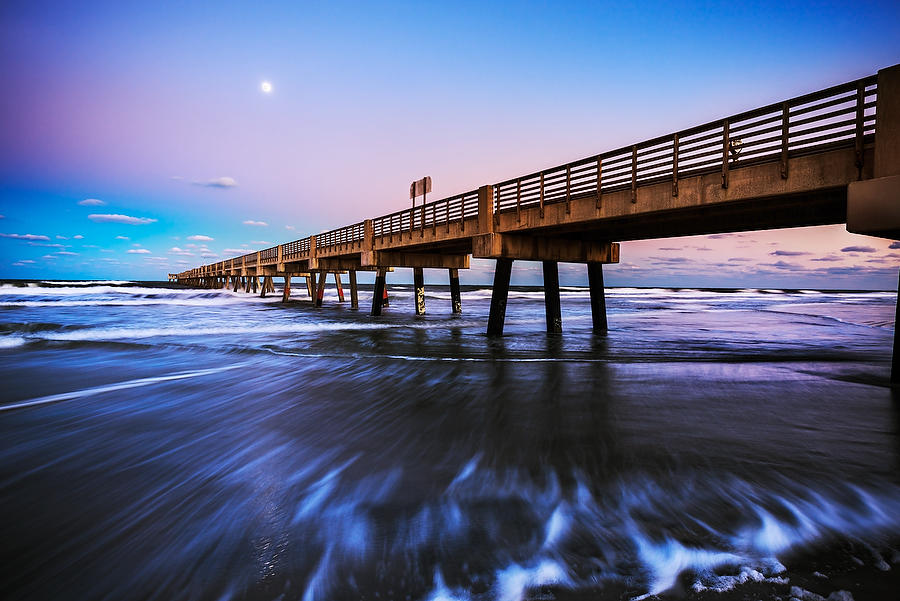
514 581
11 341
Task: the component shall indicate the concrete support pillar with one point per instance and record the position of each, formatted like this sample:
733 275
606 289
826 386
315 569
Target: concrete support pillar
598 297
551 297
264 286
311 285
419 281
339 286
255 282
499 294
354 292
320 289
286 293
237 282
455 298
895 358
378 292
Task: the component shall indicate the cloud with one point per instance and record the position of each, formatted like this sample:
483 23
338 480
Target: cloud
208 255
200 238
67 253
177 178
789 253
61 238
262 242
2 216
785 265
91 202
138 251
25 236
671 259
256 223
23 262
122 238
180 251
670 248
739 259
235 251
219 182
828 259
115 218
287 227
857 249
78 237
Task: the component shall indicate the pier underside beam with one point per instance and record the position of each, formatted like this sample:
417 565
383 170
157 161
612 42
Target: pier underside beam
415 260
499 294
543 248
419 281
455 298
598 297
551 297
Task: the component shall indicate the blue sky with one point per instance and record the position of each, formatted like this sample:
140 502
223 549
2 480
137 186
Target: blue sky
156 111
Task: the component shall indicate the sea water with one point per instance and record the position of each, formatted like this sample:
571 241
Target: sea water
166 443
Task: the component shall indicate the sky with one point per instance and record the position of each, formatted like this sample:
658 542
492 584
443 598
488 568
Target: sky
136 139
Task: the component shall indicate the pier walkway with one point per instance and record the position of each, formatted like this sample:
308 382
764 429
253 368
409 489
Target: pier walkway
828 157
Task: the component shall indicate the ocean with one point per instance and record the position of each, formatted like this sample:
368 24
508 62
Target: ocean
169 443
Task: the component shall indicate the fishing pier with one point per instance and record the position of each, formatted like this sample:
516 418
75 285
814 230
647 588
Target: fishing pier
828 157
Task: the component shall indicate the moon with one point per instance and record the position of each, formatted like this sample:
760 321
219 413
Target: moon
266 87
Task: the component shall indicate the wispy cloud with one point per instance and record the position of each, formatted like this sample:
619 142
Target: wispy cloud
61 238
116 218
235 251
25 236
23 263
287 227
262 242
828 259
789 253
256 223
200 238
208 255
857 249
739 259
219 182
138 251
785 265
91 202
78 237
67 253
122 238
